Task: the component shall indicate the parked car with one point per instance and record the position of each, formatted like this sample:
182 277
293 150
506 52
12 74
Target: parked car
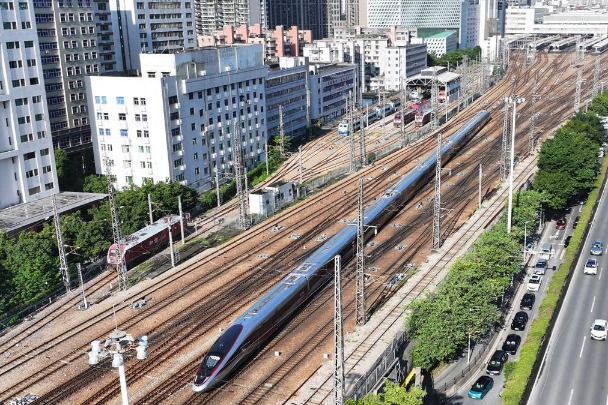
590 266
560 224
597 248
567 241
481 387
599 329
499 358
541 266
519 321
534 282
527 302
511 343
575 222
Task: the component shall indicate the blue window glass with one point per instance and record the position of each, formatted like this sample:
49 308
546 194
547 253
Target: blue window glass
101 132
120 100
124 132
97 99
99 116
108 132
104 100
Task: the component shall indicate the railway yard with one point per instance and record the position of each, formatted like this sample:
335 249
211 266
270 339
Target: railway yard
189 306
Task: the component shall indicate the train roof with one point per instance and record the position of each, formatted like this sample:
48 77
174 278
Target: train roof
148 231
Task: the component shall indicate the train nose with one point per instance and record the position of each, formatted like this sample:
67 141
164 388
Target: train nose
200 383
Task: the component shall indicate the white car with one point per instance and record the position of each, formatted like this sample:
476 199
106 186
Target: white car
590 266
599 329
534 283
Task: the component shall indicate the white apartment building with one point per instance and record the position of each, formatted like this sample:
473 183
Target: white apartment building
155 26
178 120
330 86
27 162
399 62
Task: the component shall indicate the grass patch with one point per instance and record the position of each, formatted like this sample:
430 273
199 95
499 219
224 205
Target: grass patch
518 373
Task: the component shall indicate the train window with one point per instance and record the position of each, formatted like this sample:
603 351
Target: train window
212 360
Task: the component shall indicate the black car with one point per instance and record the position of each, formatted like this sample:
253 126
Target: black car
519 321
511 344
499 358
567 240
575 222
527 302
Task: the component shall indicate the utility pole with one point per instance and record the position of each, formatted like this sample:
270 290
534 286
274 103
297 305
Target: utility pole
403 100
171 241
217 187
240 186
464 83
512 100
338 337
181 218
121 266
266 151
150 209
361 307
437 199
504 156
533 116
434 101
63 260
300 164
480 184
577 94
351 126
281 133
85 304
362 140
596 77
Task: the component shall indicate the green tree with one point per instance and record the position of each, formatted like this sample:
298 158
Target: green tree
566 167
599 104
95 184
394 394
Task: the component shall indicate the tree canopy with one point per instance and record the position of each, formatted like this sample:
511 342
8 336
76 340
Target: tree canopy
454 58
393 394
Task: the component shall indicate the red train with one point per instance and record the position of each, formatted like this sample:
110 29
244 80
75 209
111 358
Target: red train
145 241
423 113
409 115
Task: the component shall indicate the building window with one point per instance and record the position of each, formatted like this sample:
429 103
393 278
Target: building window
120 100
44 152
122 117
124 132
29 155
34 190
48 186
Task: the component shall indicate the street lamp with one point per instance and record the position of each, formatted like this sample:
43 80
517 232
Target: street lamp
122 342
514 100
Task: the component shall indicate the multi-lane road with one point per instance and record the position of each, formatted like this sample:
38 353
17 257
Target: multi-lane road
574 368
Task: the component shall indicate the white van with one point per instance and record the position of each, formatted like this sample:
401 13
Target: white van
547 249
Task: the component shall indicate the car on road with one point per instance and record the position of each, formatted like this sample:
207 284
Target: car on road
527 302
499 358
590 266
541 266
597 248
599 329
511 344
567 241
519 321
560 224
575 222
534 282
481 387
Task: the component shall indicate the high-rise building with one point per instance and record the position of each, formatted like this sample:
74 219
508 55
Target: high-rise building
177 120
306 14
212 15
69 50
460 15
27 163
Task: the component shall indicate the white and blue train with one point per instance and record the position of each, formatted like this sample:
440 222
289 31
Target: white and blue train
258 324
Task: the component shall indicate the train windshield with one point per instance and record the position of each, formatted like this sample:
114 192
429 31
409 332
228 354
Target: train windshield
218 351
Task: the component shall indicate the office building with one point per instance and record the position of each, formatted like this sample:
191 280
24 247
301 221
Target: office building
27 162
177 121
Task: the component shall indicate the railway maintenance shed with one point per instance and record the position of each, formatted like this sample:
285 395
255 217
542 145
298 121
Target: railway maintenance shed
448 83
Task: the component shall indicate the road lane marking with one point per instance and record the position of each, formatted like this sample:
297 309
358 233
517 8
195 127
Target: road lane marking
600 277
571 393
561 256
582 347
592 304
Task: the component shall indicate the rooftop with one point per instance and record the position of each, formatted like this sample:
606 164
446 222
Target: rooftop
20 217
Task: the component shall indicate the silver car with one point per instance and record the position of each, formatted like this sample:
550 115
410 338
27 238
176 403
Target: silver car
597 248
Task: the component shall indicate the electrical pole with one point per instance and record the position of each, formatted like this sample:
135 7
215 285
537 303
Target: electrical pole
181 217
300 164
121 266
281 133
513 100
351 140
577 94
596 77
85 304
240 186
63 260
533 116
437 199
403 99
361 310
217 187
464 83
480 181
362 140
504 156
338 337
434 101
150 209
266 151
171 241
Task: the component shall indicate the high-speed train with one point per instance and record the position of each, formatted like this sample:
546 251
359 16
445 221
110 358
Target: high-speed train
254 328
